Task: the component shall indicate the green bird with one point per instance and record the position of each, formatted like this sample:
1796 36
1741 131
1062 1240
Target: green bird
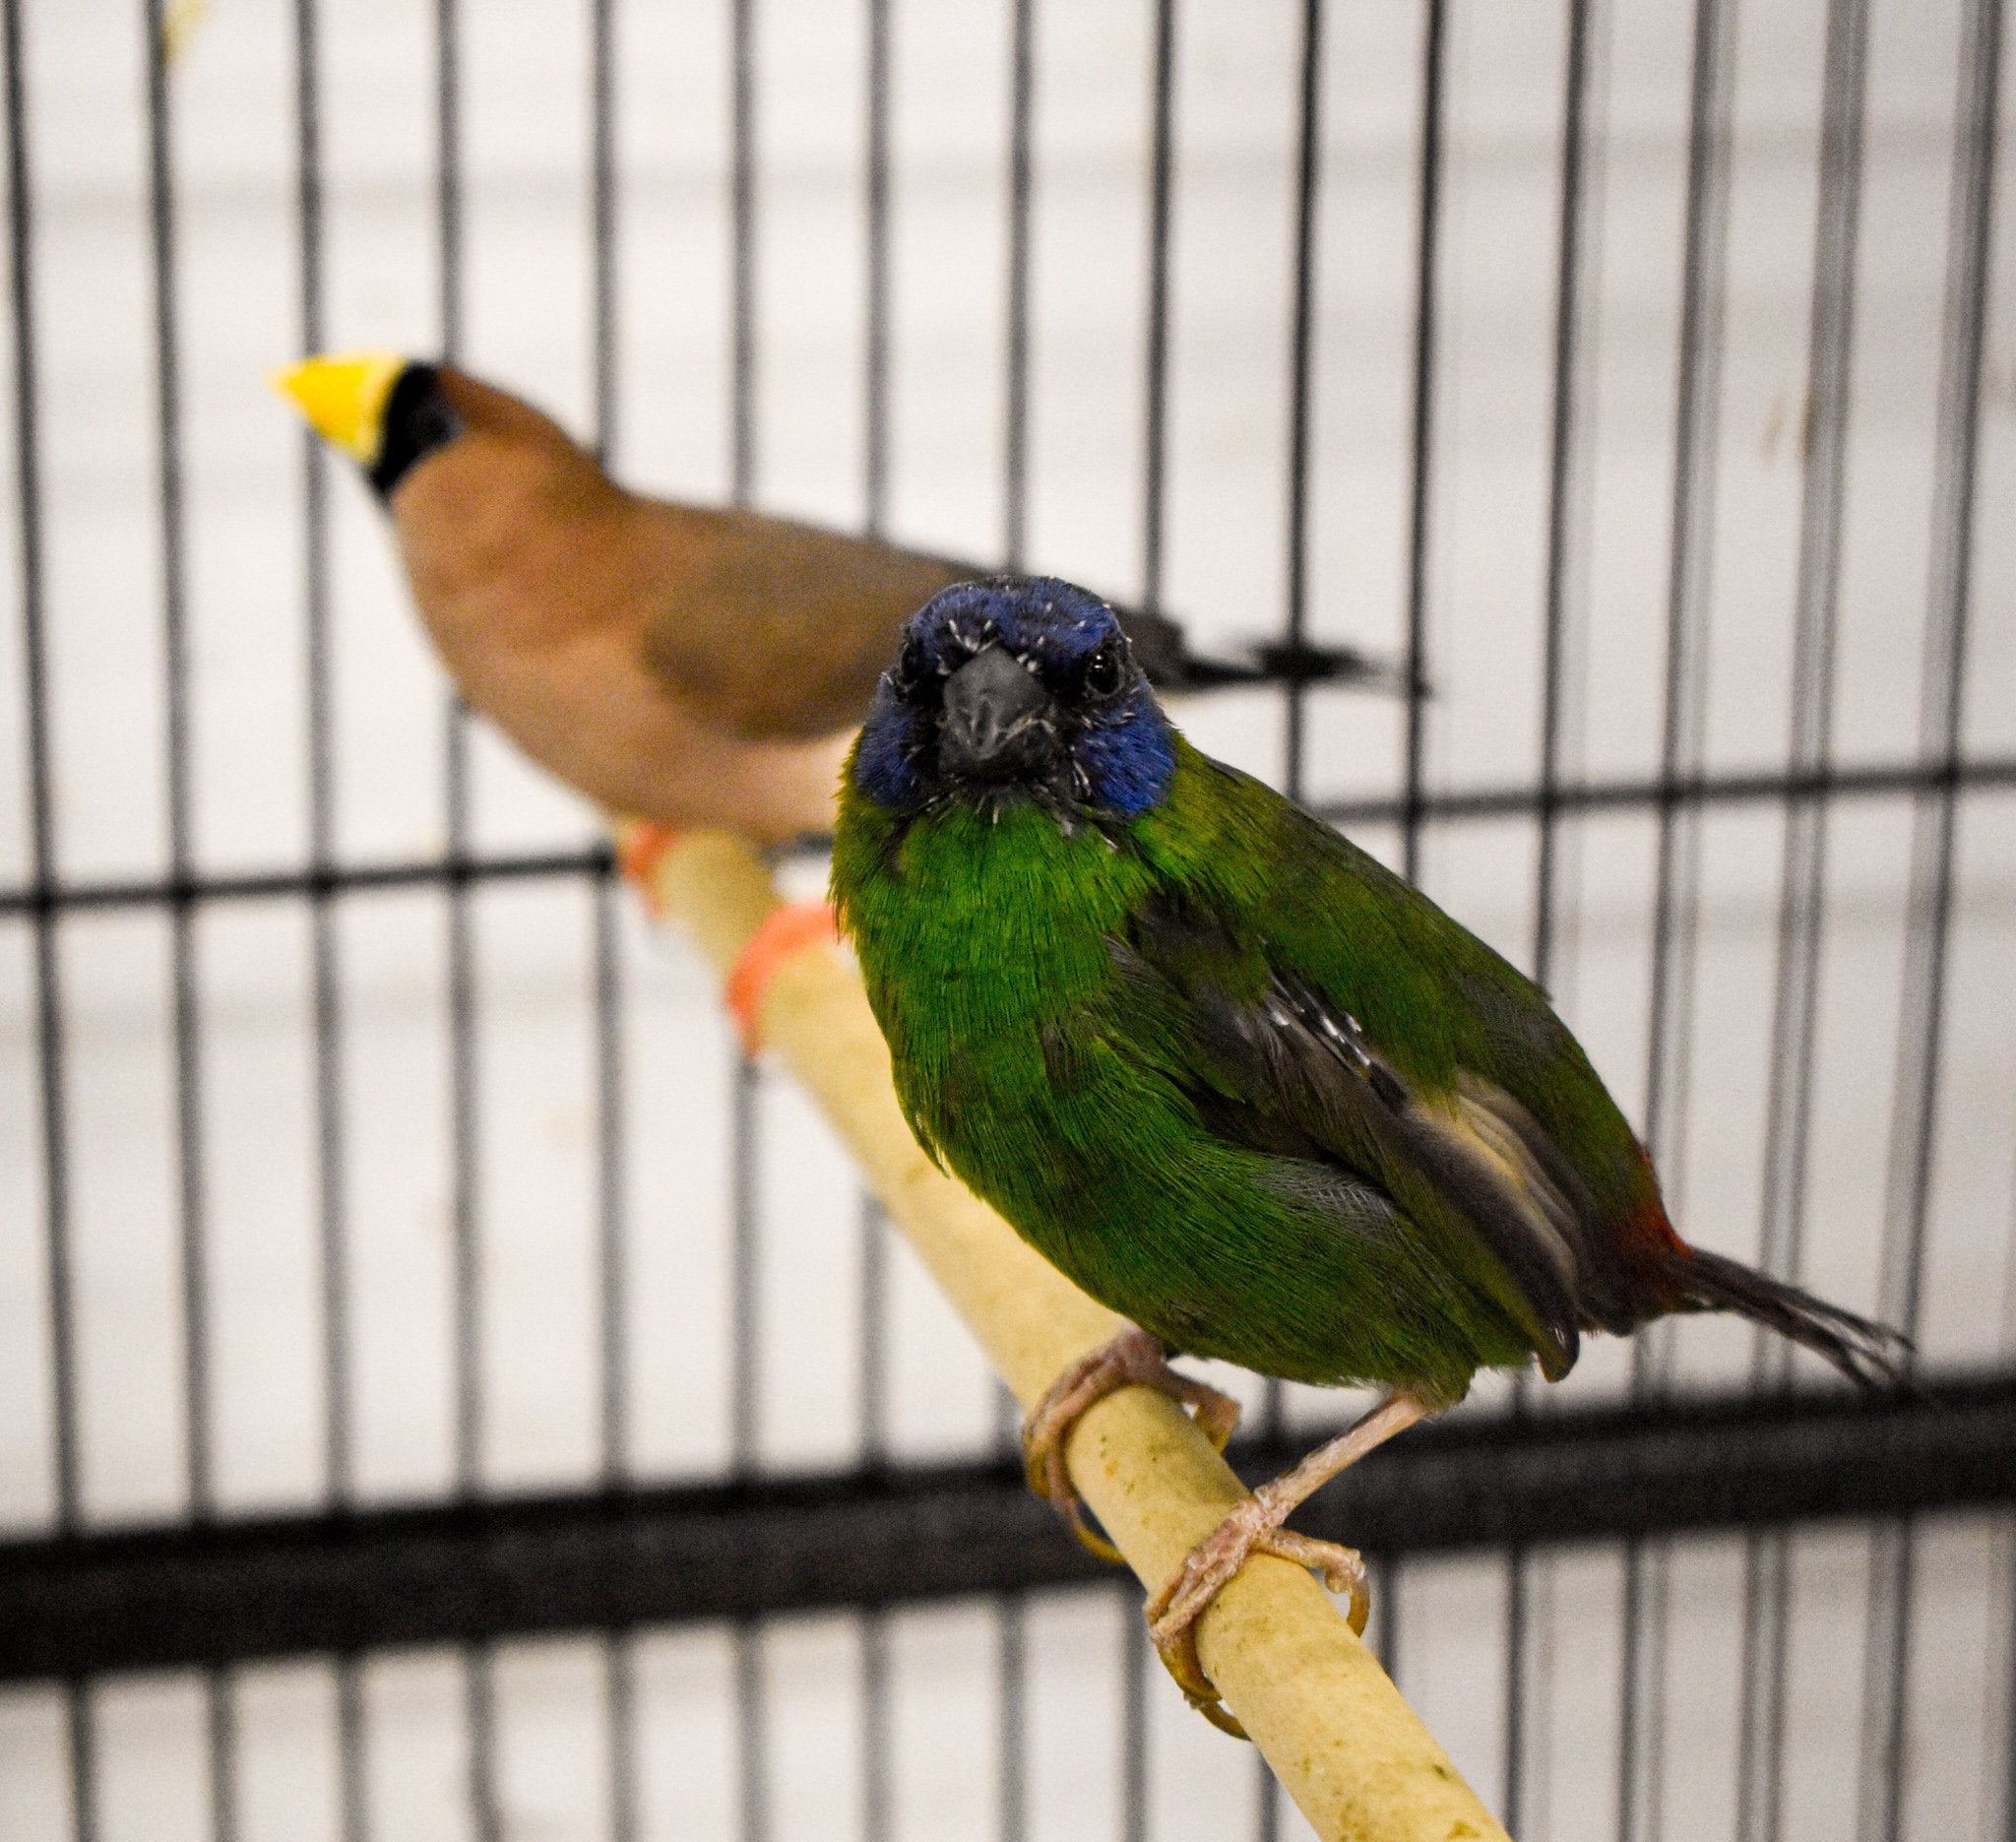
1233 1077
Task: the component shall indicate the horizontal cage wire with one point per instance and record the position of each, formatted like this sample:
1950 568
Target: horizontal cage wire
451 1390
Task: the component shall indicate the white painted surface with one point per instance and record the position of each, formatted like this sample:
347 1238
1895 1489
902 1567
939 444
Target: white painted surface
525 281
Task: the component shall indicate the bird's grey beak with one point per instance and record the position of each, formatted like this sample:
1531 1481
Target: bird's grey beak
993 723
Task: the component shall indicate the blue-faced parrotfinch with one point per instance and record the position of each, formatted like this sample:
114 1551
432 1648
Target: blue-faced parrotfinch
1228 1074
692 664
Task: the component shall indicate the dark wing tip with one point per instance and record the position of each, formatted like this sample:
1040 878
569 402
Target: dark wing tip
1284 662
1164 650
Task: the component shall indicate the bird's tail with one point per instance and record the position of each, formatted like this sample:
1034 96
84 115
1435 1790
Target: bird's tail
1291 661
1868 1353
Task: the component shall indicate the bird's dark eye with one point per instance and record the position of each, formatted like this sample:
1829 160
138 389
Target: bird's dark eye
913 668
1105 670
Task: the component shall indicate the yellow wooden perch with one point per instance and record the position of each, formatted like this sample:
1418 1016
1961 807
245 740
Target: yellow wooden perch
1351 1754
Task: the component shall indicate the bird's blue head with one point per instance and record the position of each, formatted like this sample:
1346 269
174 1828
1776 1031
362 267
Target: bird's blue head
1017 688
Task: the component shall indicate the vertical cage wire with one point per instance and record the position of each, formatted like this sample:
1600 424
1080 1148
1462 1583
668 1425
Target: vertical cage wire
1642 1724
1787 1132
1011 1674
81 1772
1886 1708
191 1213
1560 474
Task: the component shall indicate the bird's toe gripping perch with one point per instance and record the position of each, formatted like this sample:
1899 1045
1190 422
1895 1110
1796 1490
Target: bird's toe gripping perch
1132 1358
1252 1527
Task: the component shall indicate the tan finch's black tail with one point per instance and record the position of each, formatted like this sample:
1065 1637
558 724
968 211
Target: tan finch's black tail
1868 1353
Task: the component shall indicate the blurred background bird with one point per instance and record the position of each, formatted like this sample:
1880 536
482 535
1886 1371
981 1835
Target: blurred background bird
685 664
1227 1073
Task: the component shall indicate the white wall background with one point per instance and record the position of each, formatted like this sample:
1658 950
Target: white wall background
527 287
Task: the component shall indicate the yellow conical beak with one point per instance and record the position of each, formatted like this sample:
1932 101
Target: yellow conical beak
342 396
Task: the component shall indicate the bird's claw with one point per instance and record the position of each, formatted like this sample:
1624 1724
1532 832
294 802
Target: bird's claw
1251 1527
1133 1358
1055 1488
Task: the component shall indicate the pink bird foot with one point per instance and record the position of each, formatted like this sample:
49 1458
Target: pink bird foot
1252 1527
1132 1358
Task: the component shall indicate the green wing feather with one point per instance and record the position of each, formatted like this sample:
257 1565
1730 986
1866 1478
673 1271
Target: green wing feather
1408 1051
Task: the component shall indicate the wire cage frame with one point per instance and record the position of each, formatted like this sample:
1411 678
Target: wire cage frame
522 1420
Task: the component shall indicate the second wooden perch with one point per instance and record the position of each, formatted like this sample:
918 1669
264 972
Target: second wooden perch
1350 1751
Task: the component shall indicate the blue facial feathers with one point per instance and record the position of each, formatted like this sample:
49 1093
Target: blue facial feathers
1111 747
